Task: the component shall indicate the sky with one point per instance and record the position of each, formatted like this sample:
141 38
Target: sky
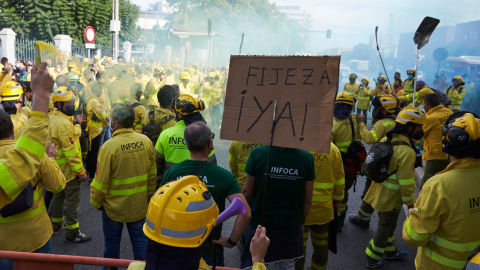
353 21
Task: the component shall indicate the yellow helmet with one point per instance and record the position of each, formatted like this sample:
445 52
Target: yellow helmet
11 91
85 60
411 115
462 130
345 98
381 78
365 80
353 75
185 76
388 102
186 104
411 71
95 57
62 94
458 79
71 65
217 73
211 75
181 213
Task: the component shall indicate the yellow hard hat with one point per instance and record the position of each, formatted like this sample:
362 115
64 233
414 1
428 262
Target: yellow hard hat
62 94
71 65
345 98
95 57
411 115
217 72
411 71
85 60
460 131
353 75
382 78
457 79
186 104
365 80
11 91
185 76
388 102
182 213
211 75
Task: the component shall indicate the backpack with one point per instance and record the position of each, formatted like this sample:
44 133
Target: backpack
376 164
444 98
153 129
355 156
21 203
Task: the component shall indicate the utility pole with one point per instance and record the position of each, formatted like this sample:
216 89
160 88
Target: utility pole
115 28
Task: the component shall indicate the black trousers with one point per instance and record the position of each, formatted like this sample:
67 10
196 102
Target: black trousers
92 156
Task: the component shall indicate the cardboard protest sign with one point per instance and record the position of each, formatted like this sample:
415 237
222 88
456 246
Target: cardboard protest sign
304 88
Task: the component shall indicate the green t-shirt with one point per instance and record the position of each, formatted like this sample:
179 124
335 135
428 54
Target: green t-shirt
284 198
220 182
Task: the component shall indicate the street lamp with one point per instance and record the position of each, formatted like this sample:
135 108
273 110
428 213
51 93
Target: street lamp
187 7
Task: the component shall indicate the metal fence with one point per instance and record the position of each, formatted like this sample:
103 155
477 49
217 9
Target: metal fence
25 49
79 51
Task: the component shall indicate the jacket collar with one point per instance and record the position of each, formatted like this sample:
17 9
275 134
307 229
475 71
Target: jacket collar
434 109
61 114
463 163
7 142
122 131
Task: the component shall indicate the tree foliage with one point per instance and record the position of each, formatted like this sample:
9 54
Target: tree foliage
44 19
267 31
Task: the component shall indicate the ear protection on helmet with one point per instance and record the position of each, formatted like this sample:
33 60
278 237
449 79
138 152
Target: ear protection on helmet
186 107
455 135
458 135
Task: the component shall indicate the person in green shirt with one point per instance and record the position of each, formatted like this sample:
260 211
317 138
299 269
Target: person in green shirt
283 207
219 181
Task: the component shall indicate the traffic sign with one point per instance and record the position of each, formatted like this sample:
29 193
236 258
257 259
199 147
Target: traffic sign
89 34
188 46
440 54
89 45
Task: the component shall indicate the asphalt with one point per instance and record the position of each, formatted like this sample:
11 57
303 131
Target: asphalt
351 243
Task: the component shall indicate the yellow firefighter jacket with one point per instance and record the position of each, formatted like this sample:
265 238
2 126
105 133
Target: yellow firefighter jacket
19 121
397 189
444 223
140 115
65 136
211 94
380 90
30 230
408 85
456 95
363 97
351 88
328 186
20 165
379 130
126 177
95 124
151 90
342 133
238 154
418 97
432 143
163 117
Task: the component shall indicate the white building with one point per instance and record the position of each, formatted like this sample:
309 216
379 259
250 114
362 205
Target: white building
155 15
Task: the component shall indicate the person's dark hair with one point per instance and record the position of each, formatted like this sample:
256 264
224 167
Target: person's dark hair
432 100
62 80
196 136
6 125
124 114
4 60
100 75
165 96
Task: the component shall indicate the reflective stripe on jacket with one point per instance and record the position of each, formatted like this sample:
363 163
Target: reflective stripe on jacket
30 229
329 185
363 96
397 189
444 223
342 133
126 177
379 130
66 139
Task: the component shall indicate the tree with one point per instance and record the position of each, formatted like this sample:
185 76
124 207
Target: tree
44 19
